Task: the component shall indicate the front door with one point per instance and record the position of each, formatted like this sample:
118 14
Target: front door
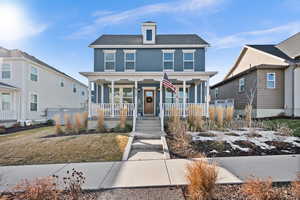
149 102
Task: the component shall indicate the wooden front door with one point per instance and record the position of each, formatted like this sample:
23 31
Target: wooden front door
149 102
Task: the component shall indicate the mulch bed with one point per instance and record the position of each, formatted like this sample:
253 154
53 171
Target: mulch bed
22 128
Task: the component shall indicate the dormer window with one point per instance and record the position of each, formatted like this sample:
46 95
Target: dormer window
149 35
149 32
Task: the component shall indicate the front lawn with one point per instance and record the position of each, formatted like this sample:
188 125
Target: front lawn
291 123
33 147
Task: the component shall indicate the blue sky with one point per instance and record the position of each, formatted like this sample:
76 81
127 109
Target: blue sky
59 32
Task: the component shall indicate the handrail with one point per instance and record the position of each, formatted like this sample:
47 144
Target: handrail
134 118
162 118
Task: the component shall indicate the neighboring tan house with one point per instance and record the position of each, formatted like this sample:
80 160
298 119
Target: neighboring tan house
128 71
28 87
273 71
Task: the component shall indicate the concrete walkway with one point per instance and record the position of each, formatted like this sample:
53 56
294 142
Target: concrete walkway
127 174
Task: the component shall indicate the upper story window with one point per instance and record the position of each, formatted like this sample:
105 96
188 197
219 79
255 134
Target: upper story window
109 60
33 102
82 93
188 59
149 35
242 85
129 56
6 71
6 101
74 88
271 80
217 93
168 59
62 83
34 74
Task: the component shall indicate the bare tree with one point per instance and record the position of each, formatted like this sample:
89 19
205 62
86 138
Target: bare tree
251 93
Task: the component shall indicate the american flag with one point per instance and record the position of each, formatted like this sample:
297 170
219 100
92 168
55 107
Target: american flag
167 83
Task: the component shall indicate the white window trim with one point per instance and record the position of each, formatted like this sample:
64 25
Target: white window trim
109 51
10 69
10 101
37 73
188 51
129 51
240 80
271 73
37 102
168 51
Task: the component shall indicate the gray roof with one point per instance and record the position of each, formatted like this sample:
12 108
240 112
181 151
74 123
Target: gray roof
7 85
291 46
166 39
18 53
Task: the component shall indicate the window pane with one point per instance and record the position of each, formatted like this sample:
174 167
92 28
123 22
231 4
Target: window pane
33 103
109 56
33 75
168 65
129 65
188 65
168 56
6 101
5 74
271 84
271 77
127 100
110 65
130 56
127 92
188 56
149 35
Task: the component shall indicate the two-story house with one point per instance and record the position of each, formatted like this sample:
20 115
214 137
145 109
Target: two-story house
29 87
129 69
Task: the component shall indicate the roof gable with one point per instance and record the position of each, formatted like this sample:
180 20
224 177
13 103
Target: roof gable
291 46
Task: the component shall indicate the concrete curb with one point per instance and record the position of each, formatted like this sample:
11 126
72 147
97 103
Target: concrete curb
128 148
165 147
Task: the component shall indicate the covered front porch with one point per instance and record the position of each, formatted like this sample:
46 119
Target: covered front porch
143 94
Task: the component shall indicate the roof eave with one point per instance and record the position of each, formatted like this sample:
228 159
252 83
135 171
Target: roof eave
151 46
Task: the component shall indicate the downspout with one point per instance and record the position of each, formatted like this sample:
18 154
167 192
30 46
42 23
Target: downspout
296 65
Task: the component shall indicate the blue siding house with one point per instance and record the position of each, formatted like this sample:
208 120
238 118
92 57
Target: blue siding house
128 71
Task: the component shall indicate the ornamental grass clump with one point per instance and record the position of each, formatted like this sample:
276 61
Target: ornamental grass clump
248 115
123 117
211 112
58 129
68 124
174 120
174 114
220 115
195 119
78 122
296 187
100 120
201 176
85 120
259 189
229 113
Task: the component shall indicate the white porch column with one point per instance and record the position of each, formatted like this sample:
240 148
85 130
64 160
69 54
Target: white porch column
184 98
97 92
160 98
102 93
196 93
113 97
207 97
201 93
90 99
136 96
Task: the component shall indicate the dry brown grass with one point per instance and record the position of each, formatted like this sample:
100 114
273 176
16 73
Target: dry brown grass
174 115
58 129
33 148
78 122
296 187
68 124
248 115
211 111
258 189
100 120
85 117
202 177
195 117
123 117
220 115
229 113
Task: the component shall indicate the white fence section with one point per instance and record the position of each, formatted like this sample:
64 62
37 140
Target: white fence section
168 107
112 109
8 115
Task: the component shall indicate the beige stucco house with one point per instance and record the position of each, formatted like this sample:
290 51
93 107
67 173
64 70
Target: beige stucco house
272 72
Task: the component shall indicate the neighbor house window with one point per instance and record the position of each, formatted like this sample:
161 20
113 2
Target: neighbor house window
188 59
62 83
6 71
217 93
129 60
74 88
109 60
180 95
5 101
149 35
82 93
242 85
33 102
271 80
34 74
168 59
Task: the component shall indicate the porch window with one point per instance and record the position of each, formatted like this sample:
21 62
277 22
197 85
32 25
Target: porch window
117 98
6 71
5 101
168 59
33 102
122 95
170 97
130 60
180 95
34 74
188 59
109 60
127 95
271 80
242 85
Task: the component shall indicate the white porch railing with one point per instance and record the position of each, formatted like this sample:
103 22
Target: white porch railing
168 107
112 109
8 115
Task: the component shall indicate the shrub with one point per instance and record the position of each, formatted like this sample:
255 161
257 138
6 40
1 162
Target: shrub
85 119
296 187
174 115
50 122
211 111
58 129
39 189
229 113
68 124
126 129
100 120
259 189
201 176
284 130
220 115
123 117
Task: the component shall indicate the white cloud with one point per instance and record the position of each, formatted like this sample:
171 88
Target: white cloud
105 18
14 25
271 35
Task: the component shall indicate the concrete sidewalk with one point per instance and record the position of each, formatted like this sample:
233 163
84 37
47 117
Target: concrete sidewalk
126 174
